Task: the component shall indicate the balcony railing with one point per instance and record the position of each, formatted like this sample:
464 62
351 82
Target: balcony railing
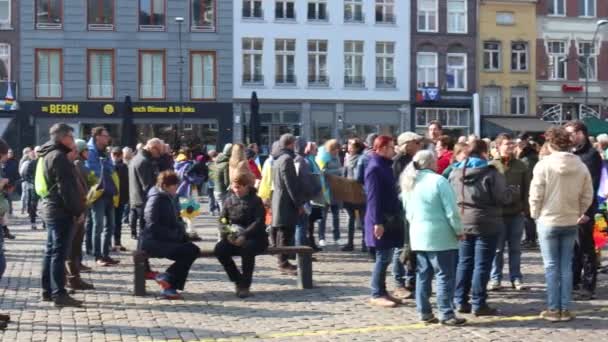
354 81
202 92
103 91
256 13
318 81
386 82
48 90
285 80
148 91
253 79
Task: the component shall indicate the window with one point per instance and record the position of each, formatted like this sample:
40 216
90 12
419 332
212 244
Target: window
456 72
385 65
151 75
252 9
284 10
587 67
385 11
427 69
427 15
101 74
491 101
455 119
353 11
202 75
457 16
49 14
505 18
152 15
557 7
5 13
49 78
5 62
202 15
353 63
519 100
252 60
285 50
317 63
586 8
317 10
491 56
557 60
100 15
519 56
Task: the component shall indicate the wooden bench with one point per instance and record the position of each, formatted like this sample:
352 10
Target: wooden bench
303 253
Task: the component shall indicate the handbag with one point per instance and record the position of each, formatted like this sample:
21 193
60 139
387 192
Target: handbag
394 224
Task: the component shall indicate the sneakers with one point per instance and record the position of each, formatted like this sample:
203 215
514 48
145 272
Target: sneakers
431 319
518 285
566 316
163 281
107 261
551 315
403 293
322 243
485 311
46 297
382 302
454 322
398 301
64 301
151 275
494 285
80 285
170 294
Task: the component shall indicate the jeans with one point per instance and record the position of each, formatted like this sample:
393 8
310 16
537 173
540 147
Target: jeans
118 219
58 243
335 212
102 213
442 264
356 214
512 234
219 199
137 216
378 284
475 258
224 251
301 238
213 206
585 259
2 257
556 247
398 269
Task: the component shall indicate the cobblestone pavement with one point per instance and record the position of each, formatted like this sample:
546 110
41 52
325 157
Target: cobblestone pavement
335 310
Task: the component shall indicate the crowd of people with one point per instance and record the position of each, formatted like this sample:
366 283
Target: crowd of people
432 206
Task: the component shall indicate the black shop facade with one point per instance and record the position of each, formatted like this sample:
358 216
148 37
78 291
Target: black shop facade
206 125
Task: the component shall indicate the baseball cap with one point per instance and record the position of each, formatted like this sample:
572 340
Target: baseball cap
406 137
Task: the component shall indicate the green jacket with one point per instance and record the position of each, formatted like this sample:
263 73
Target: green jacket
518 179
221 177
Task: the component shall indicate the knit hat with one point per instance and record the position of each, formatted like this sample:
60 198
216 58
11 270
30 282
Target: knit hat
406 137
81 145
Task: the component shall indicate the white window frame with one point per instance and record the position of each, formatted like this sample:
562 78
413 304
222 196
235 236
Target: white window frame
250 50
383 56
426 69
203 28
6 47
427 14
555 3
251 4
517 110
432 114
505 18
49 86
152 85
554 59
354 5
100 88
196 89
317 4
586 9
493 55
282 52
517 54
6 23
460 15
285 4
387 9
463 68
593 57
319 77
490 102
350 51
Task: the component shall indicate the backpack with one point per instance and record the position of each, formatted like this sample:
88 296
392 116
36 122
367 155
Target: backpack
40 184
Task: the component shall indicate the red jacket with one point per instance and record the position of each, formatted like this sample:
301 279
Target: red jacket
254 169
444 161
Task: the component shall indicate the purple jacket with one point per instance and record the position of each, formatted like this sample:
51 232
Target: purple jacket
382 200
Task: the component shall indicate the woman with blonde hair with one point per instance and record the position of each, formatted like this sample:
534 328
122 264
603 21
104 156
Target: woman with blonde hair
238 161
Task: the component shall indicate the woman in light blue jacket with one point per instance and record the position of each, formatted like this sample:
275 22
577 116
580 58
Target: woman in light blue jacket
435 228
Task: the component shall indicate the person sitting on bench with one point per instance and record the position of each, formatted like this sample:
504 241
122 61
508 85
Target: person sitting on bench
164 235
242 208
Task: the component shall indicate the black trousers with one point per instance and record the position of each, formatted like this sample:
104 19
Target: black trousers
137 216
584 265
224 251
284 237
184 256
530 228
118 216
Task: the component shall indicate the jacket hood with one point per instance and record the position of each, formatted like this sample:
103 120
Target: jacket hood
563 162
472 163
51 146
473 175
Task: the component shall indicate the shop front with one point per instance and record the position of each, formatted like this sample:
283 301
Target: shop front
207 125
453 112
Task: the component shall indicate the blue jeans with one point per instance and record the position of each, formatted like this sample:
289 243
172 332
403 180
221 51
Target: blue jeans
2 257
399 273
353 222
473 273
58 243
442 264
335 212
512 234
102 214
383 258
557 248
301 231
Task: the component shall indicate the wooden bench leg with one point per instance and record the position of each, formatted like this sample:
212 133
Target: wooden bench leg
139 282
305 270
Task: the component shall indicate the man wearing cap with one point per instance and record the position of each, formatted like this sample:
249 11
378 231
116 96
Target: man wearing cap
408 144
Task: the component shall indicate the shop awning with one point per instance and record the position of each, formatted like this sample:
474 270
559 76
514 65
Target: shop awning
521 124
596 126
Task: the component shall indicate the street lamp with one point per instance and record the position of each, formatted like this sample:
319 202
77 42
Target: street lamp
180 130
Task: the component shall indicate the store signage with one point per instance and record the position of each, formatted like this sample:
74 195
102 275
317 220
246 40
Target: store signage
572 89
163 109
61 109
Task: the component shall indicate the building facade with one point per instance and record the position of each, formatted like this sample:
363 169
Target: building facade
81 59
9 69
322 68
444 59
572 68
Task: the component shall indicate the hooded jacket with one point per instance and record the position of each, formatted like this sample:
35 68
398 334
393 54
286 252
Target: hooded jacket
64 200
481 192
222 174
561 190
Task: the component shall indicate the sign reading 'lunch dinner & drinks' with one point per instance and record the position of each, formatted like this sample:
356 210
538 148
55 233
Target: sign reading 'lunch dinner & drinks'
163 109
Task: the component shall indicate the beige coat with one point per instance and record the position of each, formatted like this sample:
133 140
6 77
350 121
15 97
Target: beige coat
561 190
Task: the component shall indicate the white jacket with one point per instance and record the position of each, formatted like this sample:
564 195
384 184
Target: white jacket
561 190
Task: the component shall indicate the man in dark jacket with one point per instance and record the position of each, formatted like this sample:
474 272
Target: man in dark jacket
10 170
143 171
123 196
287 199
308 184
61 207
585 260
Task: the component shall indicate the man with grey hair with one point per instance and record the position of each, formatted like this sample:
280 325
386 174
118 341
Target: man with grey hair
62 207
143 171
287 201
127 155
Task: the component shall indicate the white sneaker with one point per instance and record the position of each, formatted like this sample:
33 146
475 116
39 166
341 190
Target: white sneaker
321 243
494 285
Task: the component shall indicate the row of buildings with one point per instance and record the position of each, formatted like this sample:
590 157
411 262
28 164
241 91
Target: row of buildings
321 68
